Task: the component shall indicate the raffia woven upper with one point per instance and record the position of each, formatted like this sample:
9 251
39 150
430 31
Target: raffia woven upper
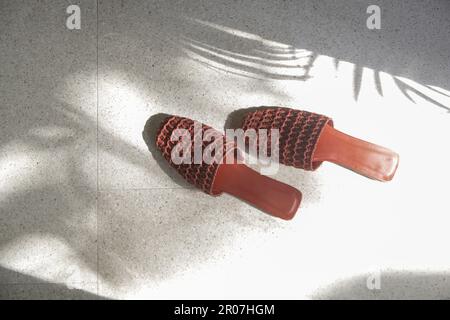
200 175
299 133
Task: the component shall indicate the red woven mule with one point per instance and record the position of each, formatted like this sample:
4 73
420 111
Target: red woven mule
307 139
177 136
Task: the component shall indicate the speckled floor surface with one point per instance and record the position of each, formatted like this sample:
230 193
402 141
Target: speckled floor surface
87 211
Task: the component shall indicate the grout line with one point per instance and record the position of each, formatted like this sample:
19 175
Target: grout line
96 194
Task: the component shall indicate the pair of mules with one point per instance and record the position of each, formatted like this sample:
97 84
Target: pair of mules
306 139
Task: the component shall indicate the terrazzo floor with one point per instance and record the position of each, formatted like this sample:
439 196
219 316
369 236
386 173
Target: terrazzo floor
89 210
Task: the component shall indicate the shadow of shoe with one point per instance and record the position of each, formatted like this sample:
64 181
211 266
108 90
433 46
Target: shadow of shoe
151 129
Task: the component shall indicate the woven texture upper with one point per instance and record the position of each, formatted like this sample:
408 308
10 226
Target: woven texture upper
200 175
299 132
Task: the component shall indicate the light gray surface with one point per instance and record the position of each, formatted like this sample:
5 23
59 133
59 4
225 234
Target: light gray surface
47 146
84 202
17 285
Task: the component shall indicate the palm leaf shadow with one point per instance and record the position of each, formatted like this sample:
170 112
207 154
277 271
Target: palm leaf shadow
404 88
